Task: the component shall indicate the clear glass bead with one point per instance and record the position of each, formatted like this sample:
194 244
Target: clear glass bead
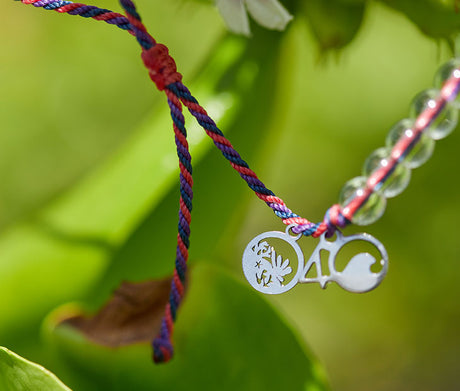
373 207
444 123
450 68
420 152
396 182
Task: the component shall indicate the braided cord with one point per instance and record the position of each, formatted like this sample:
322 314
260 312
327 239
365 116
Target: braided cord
162 71
85 11
162 344
160 67
288 217
133 24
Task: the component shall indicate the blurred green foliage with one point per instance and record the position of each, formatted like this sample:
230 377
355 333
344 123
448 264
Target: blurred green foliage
87 204
223 341
334 23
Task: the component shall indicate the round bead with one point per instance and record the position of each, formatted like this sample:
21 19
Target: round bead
394 183
421 151
444 123
445 72
371 210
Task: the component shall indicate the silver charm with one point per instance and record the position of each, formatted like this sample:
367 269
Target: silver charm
268 272
357 276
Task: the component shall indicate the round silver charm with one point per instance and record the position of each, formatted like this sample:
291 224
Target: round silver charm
357 276
265 269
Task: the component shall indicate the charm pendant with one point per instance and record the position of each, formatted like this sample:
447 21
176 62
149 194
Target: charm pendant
268 271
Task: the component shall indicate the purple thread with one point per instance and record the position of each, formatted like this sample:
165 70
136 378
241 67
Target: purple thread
43 3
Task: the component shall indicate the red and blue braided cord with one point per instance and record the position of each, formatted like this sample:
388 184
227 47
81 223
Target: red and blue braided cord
85 11
134 25
162 70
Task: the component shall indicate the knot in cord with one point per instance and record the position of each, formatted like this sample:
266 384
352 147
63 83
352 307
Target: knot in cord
334 219
161 66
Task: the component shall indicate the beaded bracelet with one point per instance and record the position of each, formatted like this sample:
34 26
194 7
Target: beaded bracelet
362 201
386 173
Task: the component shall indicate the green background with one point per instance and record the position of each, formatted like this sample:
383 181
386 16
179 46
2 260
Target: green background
89 193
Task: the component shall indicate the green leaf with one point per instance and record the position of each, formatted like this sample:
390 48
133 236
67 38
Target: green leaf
333 23
18 374
435 18
227 337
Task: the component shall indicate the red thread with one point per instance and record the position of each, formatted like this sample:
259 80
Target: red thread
334 213
182 247
169 320
166 353
69 7
162 67
195 107
186 174
108 16
263 197
296 221
179 285
185 211
275 200
136 23
320 230
222 140
244 170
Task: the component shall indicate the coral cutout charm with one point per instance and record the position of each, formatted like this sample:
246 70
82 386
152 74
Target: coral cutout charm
269 269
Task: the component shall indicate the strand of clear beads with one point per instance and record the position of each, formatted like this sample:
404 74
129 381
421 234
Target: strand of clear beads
410 143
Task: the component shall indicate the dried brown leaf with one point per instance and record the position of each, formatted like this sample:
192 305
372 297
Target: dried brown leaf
132 315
